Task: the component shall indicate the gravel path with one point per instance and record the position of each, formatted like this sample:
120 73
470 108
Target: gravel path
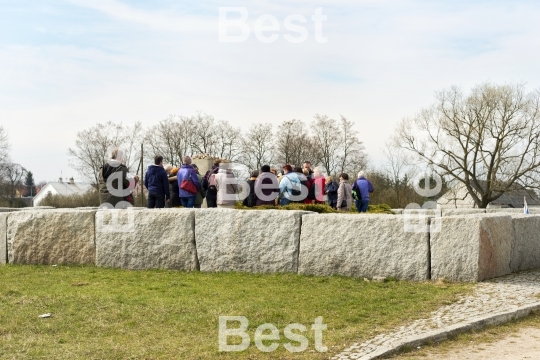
503 296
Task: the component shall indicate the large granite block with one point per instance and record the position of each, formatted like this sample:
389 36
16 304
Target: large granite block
471 247
3 238
363 246
526 244
51 237
504 211
146 239
9 209
257 241
462 211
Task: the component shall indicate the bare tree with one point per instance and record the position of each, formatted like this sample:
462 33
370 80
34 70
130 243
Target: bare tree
133 137
13 175
204 140
294 144
171 138
228 141
400 171
326 134
352 157
92 147
257 146
488 140
4 145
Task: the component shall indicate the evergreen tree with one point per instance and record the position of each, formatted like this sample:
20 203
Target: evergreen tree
29 184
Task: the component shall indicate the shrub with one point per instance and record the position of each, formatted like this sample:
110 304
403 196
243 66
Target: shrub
88 199
380 209
376 209
318 208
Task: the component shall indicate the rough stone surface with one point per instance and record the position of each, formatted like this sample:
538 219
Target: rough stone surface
362 246
426 212
495 302
397 211
146 239
462 211
526 244
504 211
51 237
3 238
472 247
9 209
257 241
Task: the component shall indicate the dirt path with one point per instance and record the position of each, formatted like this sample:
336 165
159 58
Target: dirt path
522 344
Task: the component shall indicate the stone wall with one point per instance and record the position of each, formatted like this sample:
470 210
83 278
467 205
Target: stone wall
463 211
51 237
362 246
250 240
3 237
471 248
146 239
417 245
526 244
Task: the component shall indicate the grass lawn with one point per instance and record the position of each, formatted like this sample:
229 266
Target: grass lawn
102 313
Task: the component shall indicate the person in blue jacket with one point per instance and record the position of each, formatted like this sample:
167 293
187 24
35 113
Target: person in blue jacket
364 187
187 173
157 183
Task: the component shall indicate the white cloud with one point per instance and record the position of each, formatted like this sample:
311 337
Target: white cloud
159 20
383 61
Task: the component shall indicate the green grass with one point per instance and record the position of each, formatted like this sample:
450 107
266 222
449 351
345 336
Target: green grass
119 314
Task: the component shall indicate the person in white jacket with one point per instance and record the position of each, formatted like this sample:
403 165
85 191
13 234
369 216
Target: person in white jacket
227 187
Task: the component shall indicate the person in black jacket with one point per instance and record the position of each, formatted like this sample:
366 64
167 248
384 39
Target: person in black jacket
251 199
157 183
114 187
211 191
266 195
331 191
173 186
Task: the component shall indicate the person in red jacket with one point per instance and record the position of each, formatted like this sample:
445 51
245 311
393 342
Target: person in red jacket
319 183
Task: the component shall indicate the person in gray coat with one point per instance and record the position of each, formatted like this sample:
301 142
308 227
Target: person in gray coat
345 198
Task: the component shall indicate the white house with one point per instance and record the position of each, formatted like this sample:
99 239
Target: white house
459 197
61 188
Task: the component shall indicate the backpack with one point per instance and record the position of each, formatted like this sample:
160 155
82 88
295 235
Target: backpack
296 188
356 192
212 184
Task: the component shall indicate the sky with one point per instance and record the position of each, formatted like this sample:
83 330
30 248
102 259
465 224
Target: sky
66 65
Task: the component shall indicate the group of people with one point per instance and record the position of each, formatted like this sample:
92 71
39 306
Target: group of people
170 186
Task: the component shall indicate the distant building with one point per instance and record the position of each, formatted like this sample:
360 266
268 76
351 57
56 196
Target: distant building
61 188
459 197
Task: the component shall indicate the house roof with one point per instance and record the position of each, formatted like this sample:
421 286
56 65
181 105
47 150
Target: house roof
514 198
66 188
